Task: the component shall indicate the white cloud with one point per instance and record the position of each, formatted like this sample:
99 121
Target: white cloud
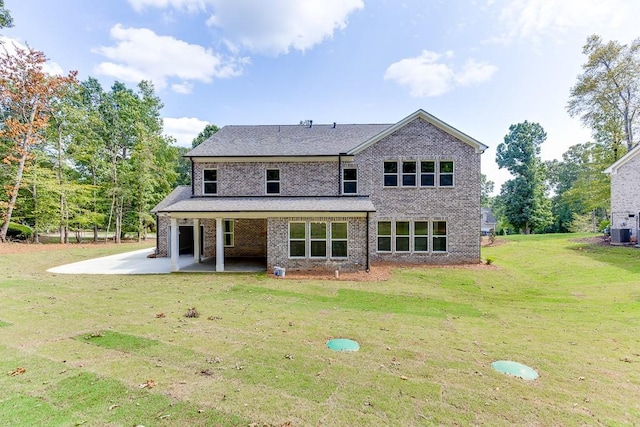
188 5
427 75
183 129
275 28
9 46
141 54
534 19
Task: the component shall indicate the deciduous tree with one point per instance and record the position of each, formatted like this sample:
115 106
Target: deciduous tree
26 95
526 206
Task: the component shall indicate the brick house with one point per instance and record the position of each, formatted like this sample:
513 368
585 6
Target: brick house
625 196
337 196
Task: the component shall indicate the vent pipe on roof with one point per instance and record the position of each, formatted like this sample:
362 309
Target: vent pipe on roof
310 123
334 125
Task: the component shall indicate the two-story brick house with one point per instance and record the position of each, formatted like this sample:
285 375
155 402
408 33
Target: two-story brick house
332 196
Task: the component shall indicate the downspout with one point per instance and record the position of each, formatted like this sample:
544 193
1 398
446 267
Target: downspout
193 185
368 244
157 233
339 174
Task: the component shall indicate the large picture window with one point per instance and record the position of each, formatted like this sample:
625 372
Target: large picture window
297 239
273 181
439 236
209 181
339 240
318 239
349 181
384 236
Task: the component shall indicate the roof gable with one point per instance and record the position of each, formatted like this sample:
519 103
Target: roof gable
613 169
479 147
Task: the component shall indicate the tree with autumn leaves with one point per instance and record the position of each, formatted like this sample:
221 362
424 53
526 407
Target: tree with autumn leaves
27 93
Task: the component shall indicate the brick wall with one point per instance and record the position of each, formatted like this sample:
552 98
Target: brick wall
278 243
625 196
250 237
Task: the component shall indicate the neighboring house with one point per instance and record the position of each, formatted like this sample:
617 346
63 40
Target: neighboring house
625 196
487 222
328 196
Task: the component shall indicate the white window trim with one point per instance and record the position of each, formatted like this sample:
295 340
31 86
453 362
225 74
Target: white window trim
344 181
402 174
434 173
390 236
453 174
433 236
232 233
267 181
331 240
208 182
289 239
325 240
397 174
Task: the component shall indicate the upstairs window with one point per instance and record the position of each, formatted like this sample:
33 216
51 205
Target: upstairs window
273 181
446 174
428 174
408 174
209 181
390 174
349 181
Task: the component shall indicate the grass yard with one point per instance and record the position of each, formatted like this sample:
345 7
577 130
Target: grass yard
118 350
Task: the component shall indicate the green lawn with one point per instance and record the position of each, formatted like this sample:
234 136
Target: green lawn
118 350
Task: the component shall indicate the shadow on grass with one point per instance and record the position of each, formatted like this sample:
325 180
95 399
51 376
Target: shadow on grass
352 299
624 257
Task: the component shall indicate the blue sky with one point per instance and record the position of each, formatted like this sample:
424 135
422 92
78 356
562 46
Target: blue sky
478 65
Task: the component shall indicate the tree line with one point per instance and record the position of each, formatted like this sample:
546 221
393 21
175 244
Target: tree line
572 194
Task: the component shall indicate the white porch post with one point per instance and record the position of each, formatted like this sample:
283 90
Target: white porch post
196 241
175 246
219 245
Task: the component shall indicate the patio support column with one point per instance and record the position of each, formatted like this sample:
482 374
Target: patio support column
219 245
196 241
175 246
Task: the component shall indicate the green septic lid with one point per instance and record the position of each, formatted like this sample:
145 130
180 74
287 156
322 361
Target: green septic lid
343 344
514 368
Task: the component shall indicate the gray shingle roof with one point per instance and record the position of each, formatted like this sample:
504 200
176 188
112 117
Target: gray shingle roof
186 203
289 140
181 192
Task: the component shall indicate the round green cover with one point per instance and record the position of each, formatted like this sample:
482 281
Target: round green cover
343 344
514 368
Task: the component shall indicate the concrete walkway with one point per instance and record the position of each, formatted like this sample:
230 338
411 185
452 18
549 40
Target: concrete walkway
135 262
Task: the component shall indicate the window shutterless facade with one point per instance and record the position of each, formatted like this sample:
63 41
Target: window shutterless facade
409 174
412 236
273 181
350 181
210 181
427 174
318 239
424 173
